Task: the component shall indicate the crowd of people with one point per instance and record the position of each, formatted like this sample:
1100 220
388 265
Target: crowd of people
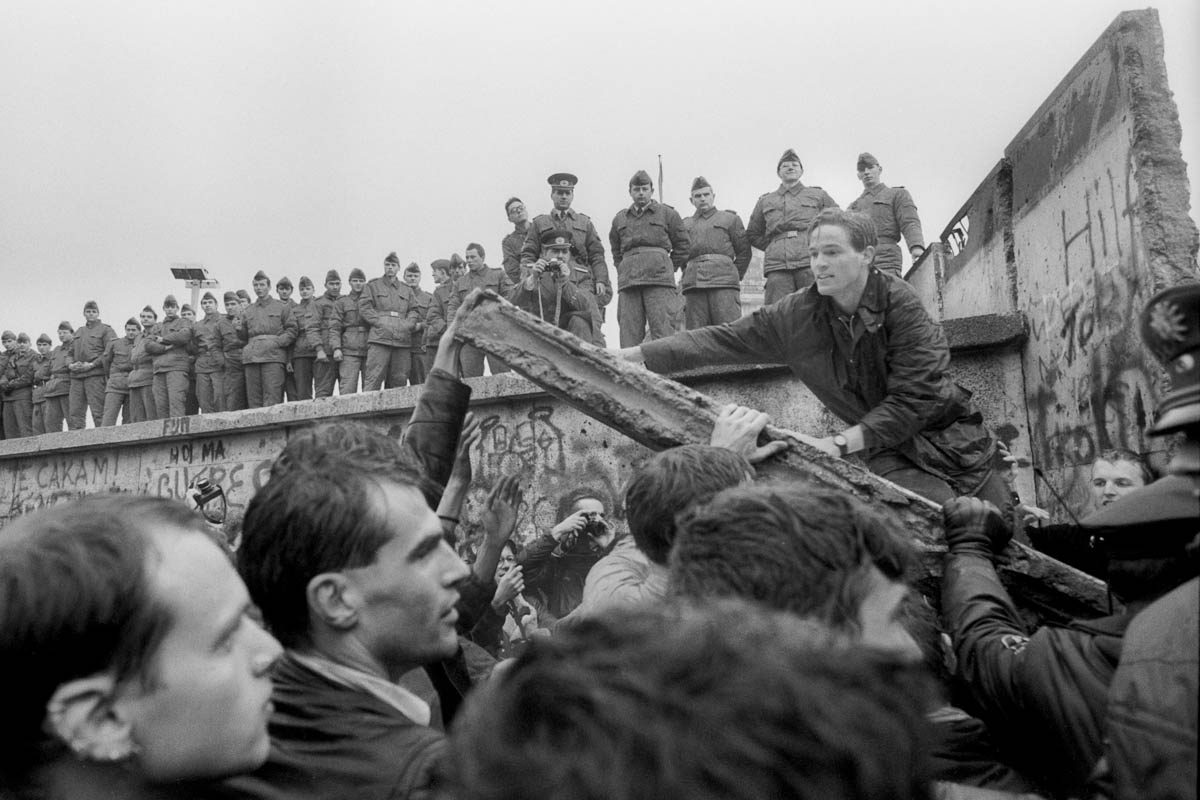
264 350
745 638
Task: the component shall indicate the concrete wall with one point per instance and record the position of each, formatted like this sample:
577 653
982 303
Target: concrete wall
1083 219
553 447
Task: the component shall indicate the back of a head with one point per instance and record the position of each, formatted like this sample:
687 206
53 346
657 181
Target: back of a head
76 600
313 518
698 702
791 547
350 440
670 483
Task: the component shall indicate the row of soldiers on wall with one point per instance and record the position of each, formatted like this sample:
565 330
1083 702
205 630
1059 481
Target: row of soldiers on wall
384 332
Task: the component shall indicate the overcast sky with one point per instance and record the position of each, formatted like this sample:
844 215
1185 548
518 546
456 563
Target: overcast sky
298 136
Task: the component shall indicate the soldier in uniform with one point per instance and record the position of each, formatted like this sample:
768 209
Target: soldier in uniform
589 271
58 387
118 363
478 276
41 377
268 328
325 367
548 293
8 340
894 212
779 227
210 357
16 386
350 335
510 247
436 319
284 289
87 371
141 373
231 347
423 299
170 344
648 245
388 307
718 255
304 351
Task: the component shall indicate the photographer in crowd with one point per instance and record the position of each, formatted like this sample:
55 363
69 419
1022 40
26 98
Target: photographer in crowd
556 564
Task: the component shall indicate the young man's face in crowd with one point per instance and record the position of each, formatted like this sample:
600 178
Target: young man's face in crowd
43 347
261 288
517 213
408 593
641 194
333 287
1112 480
412 277
474 259
837 267
209 306
91 314
203 712
285 293
703 198
357 284
561 197
131 331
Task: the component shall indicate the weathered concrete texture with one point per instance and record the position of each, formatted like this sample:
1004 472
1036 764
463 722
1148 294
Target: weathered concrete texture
1086 217
553 447
979 238
661 413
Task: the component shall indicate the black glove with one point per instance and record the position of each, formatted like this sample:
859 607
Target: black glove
974 526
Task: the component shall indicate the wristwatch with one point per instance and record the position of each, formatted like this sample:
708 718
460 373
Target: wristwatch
842 445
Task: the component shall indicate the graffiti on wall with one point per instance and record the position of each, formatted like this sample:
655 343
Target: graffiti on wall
1088 380
214 459
45 482
553 450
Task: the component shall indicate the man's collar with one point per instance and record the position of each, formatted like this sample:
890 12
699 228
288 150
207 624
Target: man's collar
570 212
874 190
637 212
706 214
383 690
785 189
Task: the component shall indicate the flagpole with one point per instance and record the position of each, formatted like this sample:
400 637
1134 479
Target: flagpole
661 194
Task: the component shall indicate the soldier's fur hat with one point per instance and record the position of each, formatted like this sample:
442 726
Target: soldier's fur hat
701 182
641 178
789 155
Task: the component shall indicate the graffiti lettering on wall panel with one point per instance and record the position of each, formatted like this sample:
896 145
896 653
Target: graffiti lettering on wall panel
534 447
187 461
1088 389
41 483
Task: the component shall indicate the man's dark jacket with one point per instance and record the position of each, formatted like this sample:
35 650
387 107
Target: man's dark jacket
331 742
885 370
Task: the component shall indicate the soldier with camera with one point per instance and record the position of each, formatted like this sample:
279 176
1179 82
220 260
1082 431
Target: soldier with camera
546 289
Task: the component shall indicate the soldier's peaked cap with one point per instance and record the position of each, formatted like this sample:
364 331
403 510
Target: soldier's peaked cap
555 238
789 155
562 180
1171 331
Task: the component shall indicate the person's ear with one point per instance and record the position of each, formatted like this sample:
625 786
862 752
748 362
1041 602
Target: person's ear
84 714
868 254
334 600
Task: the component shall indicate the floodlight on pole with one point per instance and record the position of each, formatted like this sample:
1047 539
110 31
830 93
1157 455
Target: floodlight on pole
194 277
